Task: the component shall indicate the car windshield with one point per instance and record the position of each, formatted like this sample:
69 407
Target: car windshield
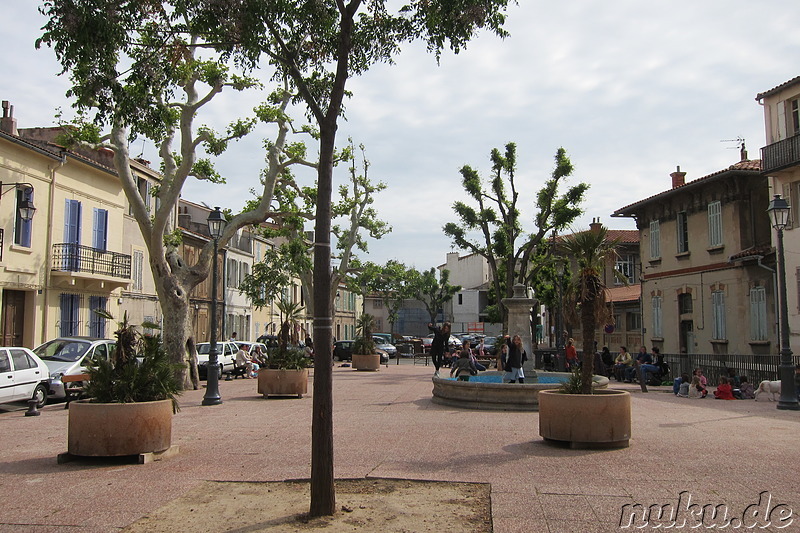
62 350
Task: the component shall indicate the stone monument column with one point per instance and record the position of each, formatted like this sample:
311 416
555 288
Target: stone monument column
519 322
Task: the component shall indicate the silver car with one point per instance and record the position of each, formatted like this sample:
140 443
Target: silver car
66 356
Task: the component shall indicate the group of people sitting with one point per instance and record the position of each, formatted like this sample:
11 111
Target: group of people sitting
628 369
251 359
730 387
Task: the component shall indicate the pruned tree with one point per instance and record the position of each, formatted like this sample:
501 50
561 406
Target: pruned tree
137 68
433 292
493 226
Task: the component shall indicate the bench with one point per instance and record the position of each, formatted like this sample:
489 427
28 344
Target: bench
424 356
76 392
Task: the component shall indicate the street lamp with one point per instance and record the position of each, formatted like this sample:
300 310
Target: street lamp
779 214
25 205
216 224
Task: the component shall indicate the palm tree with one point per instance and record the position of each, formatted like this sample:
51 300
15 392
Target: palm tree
591 249
290 325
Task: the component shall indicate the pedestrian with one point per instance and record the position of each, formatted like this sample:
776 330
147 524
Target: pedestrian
441 339
464 367
516 357
572 355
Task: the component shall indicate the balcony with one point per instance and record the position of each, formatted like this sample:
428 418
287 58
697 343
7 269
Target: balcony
74 265
780 155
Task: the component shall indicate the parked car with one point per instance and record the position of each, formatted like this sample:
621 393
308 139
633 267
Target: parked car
490 345
387 347
343 351
226 355
23 376
65 356
270 341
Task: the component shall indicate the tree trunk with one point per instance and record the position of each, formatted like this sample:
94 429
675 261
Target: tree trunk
323 496
176 329
587 331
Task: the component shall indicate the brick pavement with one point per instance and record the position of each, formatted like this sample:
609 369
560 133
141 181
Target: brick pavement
721 452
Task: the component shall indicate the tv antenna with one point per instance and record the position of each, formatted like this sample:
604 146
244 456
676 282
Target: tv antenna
739 145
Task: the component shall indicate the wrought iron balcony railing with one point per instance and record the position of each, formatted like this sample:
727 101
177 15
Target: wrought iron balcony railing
76 258
780 155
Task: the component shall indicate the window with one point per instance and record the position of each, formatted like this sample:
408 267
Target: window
658 327
718 315
794 116
758 314
97 324
72 235
233 273
683 232
685 303
100 229
655 240
460 299
137 266
147 319
633 321
22 228
22 361
377 304
69 311
715 224
244 271
625 265
144 187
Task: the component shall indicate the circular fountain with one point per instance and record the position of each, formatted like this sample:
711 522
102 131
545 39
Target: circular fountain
486 391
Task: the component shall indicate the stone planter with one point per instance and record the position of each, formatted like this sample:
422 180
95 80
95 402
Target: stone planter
599 420
366 362
116 429
282 382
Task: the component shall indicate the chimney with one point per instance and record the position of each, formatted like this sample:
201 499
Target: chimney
678 178
8 124
595 226
743 152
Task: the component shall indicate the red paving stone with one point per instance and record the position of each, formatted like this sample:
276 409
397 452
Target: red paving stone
722 452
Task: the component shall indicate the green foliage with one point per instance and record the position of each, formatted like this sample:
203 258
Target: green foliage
173 239
576 384
432 292
289 358
491 224
139 370
493 314
364 343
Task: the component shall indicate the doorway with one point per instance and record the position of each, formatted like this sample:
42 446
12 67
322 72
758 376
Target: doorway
13 318
687 336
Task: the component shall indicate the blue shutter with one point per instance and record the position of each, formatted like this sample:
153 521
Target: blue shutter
23 228
100 229
72 235
69 309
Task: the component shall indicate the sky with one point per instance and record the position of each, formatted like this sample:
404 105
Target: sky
630 89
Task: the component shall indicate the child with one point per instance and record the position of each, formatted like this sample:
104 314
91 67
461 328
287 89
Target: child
464 364
695 387
724 390
683 388
746 389
702 387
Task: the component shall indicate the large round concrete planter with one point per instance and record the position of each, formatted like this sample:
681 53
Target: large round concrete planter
116 429
282 382
599 420
366 362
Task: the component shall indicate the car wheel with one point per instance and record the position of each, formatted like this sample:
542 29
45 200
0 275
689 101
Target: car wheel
219 374
40 395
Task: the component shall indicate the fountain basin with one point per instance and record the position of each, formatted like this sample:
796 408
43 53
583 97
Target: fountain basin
497 396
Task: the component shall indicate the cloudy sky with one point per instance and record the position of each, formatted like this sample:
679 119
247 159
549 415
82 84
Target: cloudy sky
630 89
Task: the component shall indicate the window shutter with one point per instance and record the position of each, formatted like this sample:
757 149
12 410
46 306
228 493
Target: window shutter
787 195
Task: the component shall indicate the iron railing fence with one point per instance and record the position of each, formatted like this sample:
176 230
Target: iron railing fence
756 367
68 257
781 154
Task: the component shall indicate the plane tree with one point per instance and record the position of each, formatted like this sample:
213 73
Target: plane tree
491 225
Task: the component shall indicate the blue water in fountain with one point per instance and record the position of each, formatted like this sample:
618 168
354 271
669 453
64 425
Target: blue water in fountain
498 378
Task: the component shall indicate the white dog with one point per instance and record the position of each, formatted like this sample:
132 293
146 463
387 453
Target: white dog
769 387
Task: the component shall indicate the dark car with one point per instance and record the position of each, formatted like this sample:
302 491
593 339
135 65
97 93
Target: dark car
490 345
343 351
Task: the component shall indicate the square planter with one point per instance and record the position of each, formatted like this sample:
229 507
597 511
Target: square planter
282 382
599 420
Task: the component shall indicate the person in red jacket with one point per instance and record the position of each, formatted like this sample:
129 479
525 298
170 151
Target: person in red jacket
724 390
572 356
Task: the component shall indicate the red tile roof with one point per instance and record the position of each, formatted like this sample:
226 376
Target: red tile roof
753 165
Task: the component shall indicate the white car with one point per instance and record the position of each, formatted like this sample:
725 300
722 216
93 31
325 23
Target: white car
65 356
226 355
23 376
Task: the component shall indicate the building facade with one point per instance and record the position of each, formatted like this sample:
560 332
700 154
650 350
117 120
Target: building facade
708 278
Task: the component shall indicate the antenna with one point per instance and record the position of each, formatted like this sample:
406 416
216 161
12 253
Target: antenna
739 145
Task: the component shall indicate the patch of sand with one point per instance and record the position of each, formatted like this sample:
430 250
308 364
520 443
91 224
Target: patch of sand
384 505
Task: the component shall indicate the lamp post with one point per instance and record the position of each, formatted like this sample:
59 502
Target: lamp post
216 224
25 205
559 314
779 213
